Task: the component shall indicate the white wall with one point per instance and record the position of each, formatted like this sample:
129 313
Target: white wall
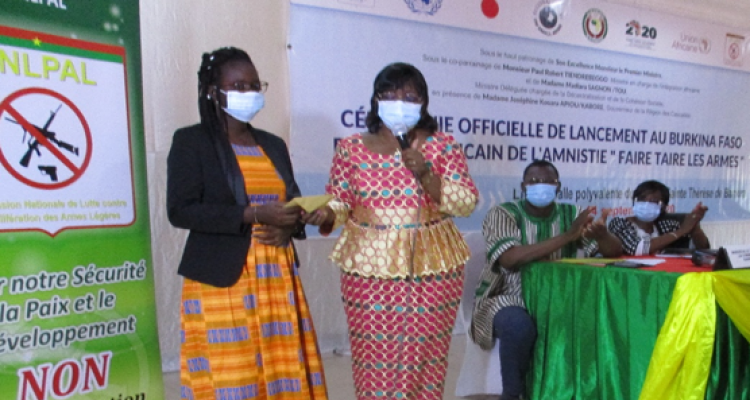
175 34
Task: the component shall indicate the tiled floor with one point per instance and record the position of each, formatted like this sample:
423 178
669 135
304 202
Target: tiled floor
339 375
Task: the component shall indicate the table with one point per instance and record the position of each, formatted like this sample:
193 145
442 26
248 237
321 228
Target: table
598 326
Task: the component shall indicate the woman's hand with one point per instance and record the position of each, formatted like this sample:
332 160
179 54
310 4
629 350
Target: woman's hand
414 161
273 235
321 216
693 219
274 214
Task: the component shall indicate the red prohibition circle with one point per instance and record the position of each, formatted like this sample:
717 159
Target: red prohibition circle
5 105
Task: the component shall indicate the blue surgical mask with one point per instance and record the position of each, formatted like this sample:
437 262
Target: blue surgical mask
541 194
243 106
646 211
395 113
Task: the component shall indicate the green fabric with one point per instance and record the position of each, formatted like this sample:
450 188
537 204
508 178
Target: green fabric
597 328
730 371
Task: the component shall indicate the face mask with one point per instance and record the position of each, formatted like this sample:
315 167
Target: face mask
243 106
398 115
646 211
541 194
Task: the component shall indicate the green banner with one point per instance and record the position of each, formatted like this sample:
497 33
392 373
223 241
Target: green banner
77 316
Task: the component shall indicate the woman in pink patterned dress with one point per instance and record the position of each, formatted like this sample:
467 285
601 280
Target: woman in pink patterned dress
400 253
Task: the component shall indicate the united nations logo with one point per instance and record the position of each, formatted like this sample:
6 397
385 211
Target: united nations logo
429 7
595 25
547 17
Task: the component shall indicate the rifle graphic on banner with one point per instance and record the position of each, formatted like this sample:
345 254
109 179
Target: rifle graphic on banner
33 144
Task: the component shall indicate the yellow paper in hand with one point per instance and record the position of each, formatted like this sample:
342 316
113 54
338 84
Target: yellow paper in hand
310 203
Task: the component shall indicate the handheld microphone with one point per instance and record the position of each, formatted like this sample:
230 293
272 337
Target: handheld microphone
400 130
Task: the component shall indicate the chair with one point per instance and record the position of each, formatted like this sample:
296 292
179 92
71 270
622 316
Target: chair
480 370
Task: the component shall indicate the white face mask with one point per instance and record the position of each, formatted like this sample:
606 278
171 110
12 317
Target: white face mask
646 211
398 115
243 106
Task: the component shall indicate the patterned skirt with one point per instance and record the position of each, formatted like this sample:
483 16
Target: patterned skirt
254 340
400 332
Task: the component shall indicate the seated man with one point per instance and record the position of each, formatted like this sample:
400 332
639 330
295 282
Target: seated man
651 230
517 233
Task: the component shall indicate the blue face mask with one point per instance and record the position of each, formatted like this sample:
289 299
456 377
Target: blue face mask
541 194
646 211
398 115
243 106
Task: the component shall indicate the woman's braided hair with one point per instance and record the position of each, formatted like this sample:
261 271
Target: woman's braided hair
214 120
209 75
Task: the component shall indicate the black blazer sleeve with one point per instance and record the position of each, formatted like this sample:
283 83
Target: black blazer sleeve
198 195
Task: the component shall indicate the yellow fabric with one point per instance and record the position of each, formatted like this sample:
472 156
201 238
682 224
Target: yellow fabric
681 361
386 253
254 339
732 290
456 198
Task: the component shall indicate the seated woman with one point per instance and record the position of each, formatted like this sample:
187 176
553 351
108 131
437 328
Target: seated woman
651 230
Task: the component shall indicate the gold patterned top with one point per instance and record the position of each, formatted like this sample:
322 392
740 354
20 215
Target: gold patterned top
384 211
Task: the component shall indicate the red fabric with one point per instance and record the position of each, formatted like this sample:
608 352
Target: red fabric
378 312
679 265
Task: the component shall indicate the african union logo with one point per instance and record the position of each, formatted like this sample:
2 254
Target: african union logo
547 17
595 25
429 7
692 43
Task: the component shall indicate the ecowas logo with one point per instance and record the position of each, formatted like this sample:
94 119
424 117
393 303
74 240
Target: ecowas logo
640 35
548 16
595 25
429 7
692 43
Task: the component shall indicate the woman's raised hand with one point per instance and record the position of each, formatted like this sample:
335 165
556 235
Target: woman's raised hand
694 217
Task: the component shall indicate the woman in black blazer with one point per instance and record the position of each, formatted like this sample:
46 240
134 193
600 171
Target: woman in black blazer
246 327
